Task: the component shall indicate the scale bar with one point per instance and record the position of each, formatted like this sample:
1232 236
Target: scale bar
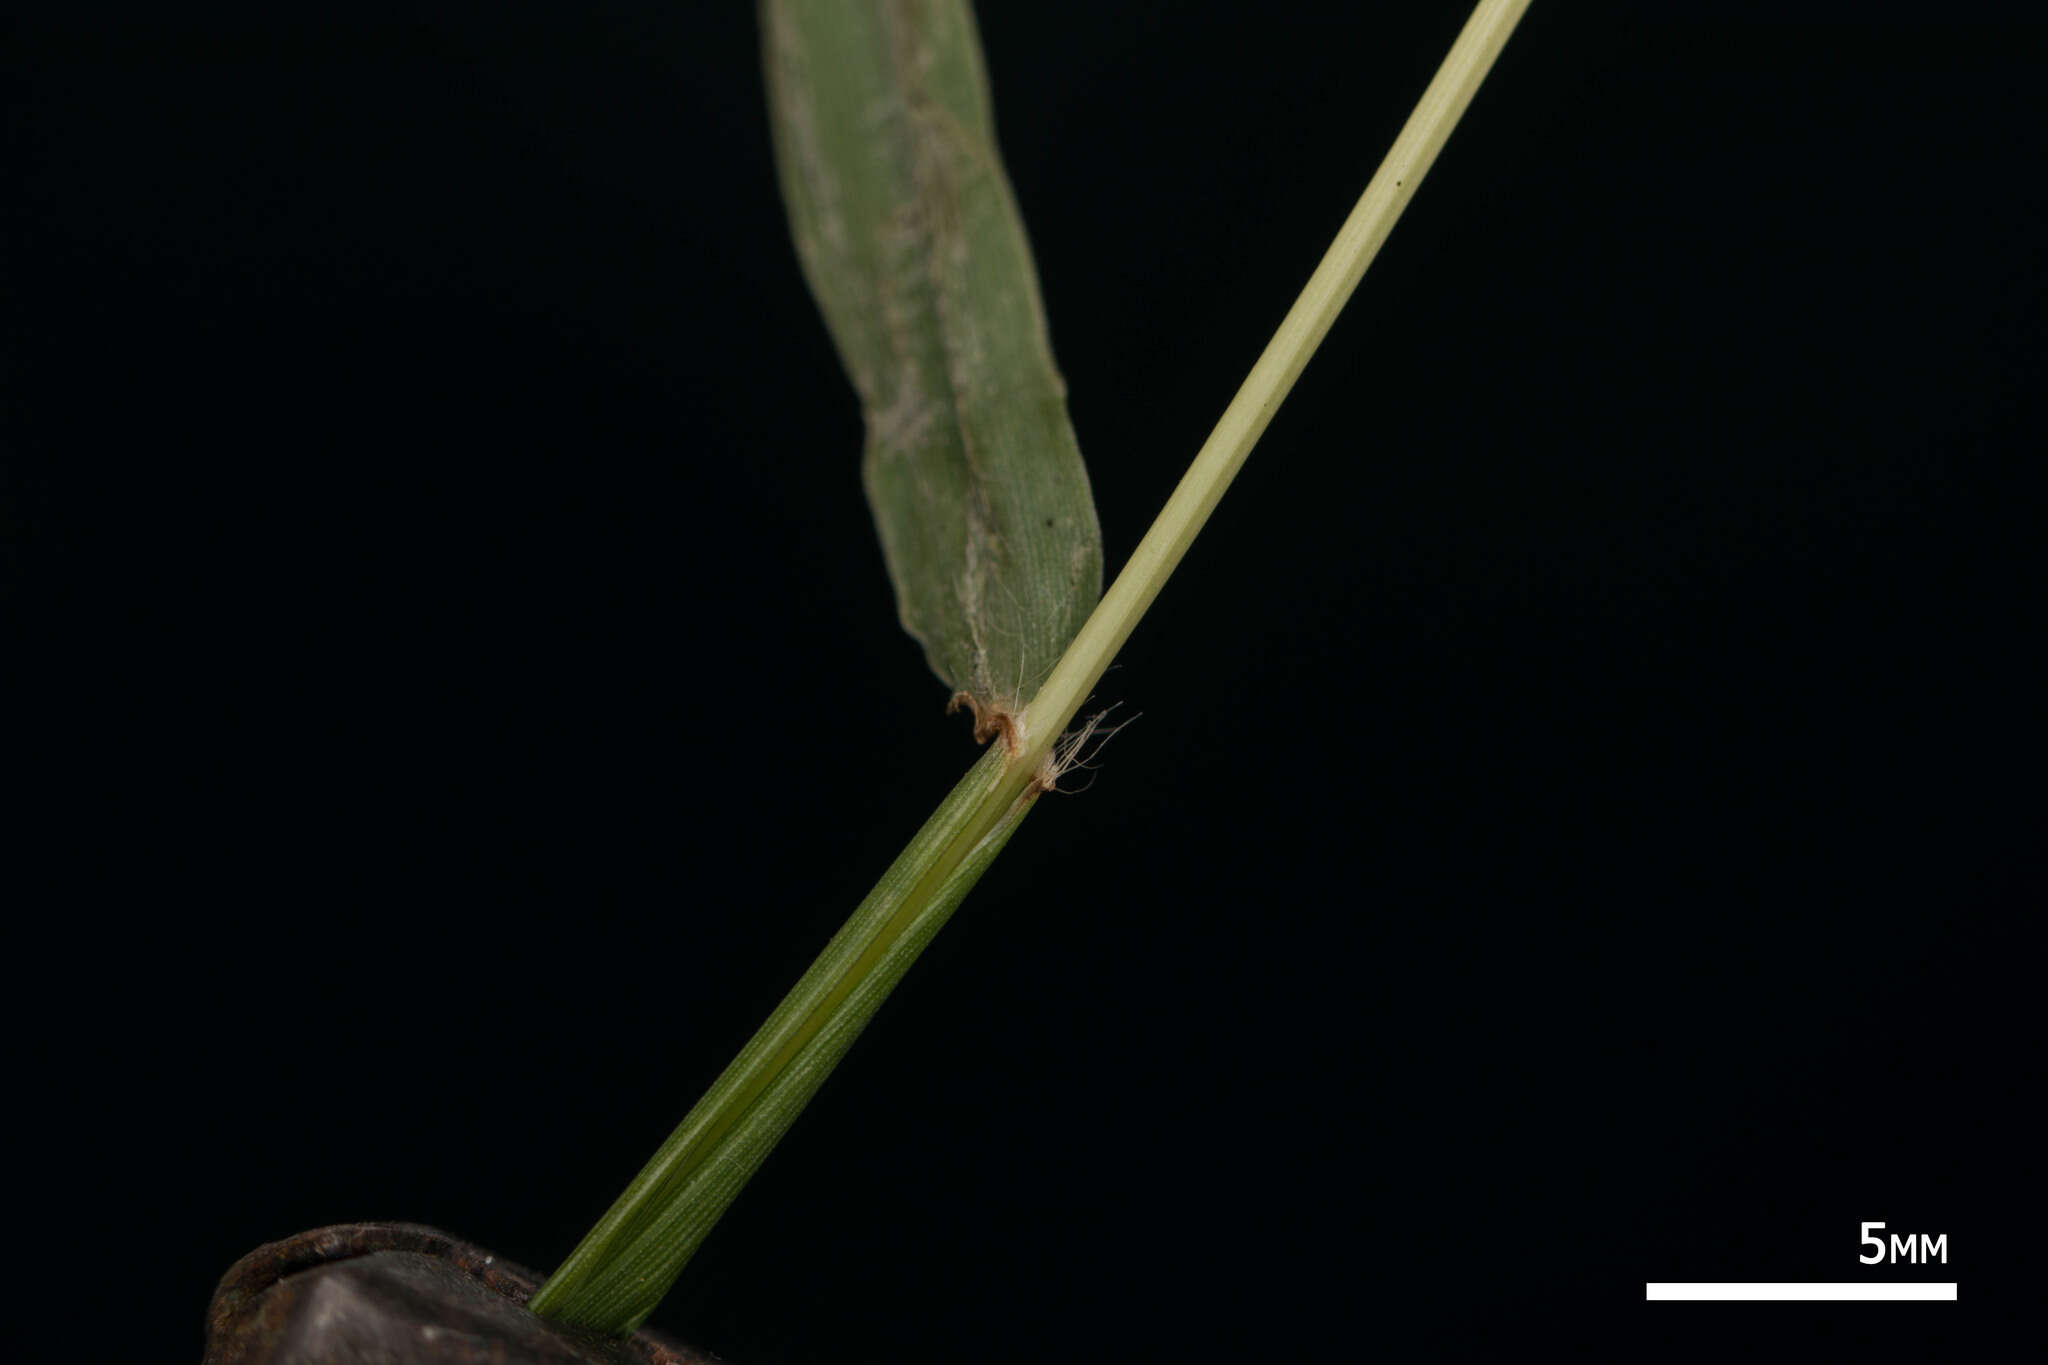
1800 1291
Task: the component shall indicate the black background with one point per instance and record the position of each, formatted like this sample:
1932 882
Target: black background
1585 794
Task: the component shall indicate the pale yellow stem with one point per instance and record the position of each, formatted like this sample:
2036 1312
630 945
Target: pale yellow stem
1157 555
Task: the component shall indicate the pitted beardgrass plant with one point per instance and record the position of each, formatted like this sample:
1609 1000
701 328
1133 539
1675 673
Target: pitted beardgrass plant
911 241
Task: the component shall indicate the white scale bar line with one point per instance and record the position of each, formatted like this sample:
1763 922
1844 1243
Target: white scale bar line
1844 1292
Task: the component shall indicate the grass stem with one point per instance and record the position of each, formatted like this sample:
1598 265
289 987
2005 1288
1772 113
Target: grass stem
1244 421
624 1266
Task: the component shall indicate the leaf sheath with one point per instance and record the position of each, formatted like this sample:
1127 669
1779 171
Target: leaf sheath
624 1266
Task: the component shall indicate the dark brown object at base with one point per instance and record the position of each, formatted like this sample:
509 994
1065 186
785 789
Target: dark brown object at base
399 1294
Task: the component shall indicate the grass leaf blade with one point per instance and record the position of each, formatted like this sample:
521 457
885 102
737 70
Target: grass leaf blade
910 237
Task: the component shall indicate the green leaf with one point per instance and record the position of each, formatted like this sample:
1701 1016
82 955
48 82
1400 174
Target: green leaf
911 240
